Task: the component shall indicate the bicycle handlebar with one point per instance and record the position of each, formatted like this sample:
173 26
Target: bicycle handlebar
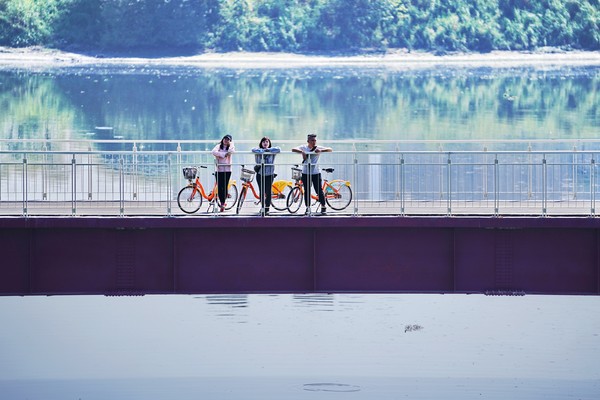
328 170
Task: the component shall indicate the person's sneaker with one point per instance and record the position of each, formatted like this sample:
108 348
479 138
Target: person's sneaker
222 208
323 210
307 211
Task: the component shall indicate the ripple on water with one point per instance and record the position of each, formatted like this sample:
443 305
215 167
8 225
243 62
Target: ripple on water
330 387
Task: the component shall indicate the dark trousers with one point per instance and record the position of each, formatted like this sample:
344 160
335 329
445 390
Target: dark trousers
316 188
222 182
264 186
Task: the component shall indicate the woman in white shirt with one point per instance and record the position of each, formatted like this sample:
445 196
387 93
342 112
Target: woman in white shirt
222 153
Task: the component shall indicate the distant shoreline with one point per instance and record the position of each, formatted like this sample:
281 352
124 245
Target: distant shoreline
395 59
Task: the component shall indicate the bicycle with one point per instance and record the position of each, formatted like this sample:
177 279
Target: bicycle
338 193
190 197
279 191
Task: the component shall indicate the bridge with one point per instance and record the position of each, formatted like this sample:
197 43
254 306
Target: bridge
504 222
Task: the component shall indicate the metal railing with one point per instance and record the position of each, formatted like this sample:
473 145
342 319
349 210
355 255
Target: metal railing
137 182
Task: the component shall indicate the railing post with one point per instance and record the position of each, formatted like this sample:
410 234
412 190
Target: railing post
574 171
169 186
593 187
441 175
121 187
134 178
355 173
90 175
24 184
449 184
485 173
354 178
45 172
544 186
402 183
215 200
73 185
496 186
178 165
262 184
530 174
308 186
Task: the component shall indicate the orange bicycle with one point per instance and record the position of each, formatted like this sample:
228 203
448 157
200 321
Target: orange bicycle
190 197
279 191
338 193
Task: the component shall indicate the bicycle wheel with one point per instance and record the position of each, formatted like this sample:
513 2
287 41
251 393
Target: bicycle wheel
232 197
241 199
339 195
189 199
279 197
294 200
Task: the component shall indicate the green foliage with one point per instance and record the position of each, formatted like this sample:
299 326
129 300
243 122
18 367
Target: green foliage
86 16
301 25
154 24
26 22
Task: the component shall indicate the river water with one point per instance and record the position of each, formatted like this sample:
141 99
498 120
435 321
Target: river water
181 103
300 346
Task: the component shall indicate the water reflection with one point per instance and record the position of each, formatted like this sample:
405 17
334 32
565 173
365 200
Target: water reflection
339 103
228 306
317 302
375 346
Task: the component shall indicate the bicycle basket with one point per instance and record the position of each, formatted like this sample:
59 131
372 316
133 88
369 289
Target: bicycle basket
247 175
296 173
190 173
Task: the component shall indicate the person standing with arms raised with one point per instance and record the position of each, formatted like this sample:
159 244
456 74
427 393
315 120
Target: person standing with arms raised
222 152
265 158
310 171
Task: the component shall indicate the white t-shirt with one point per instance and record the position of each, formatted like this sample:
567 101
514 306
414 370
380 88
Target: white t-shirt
314 159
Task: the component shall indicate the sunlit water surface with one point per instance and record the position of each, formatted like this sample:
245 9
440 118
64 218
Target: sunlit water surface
313 346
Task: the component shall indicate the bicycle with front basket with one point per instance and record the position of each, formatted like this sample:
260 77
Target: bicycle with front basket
279 191
190 197
338 193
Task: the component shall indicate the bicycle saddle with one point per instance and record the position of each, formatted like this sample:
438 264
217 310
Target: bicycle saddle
330 170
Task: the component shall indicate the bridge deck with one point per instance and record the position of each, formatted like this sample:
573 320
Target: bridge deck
251 208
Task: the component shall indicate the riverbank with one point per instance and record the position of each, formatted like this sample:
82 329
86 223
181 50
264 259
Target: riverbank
42 57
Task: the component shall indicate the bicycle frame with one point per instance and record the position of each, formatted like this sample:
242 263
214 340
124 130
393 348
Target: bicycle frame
277 188
277 191
210 196
329 191
337 193
195 190
251 186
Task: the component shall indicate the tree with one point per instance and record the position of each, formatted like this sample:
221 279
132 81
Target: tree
234 28
80 25
26 22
